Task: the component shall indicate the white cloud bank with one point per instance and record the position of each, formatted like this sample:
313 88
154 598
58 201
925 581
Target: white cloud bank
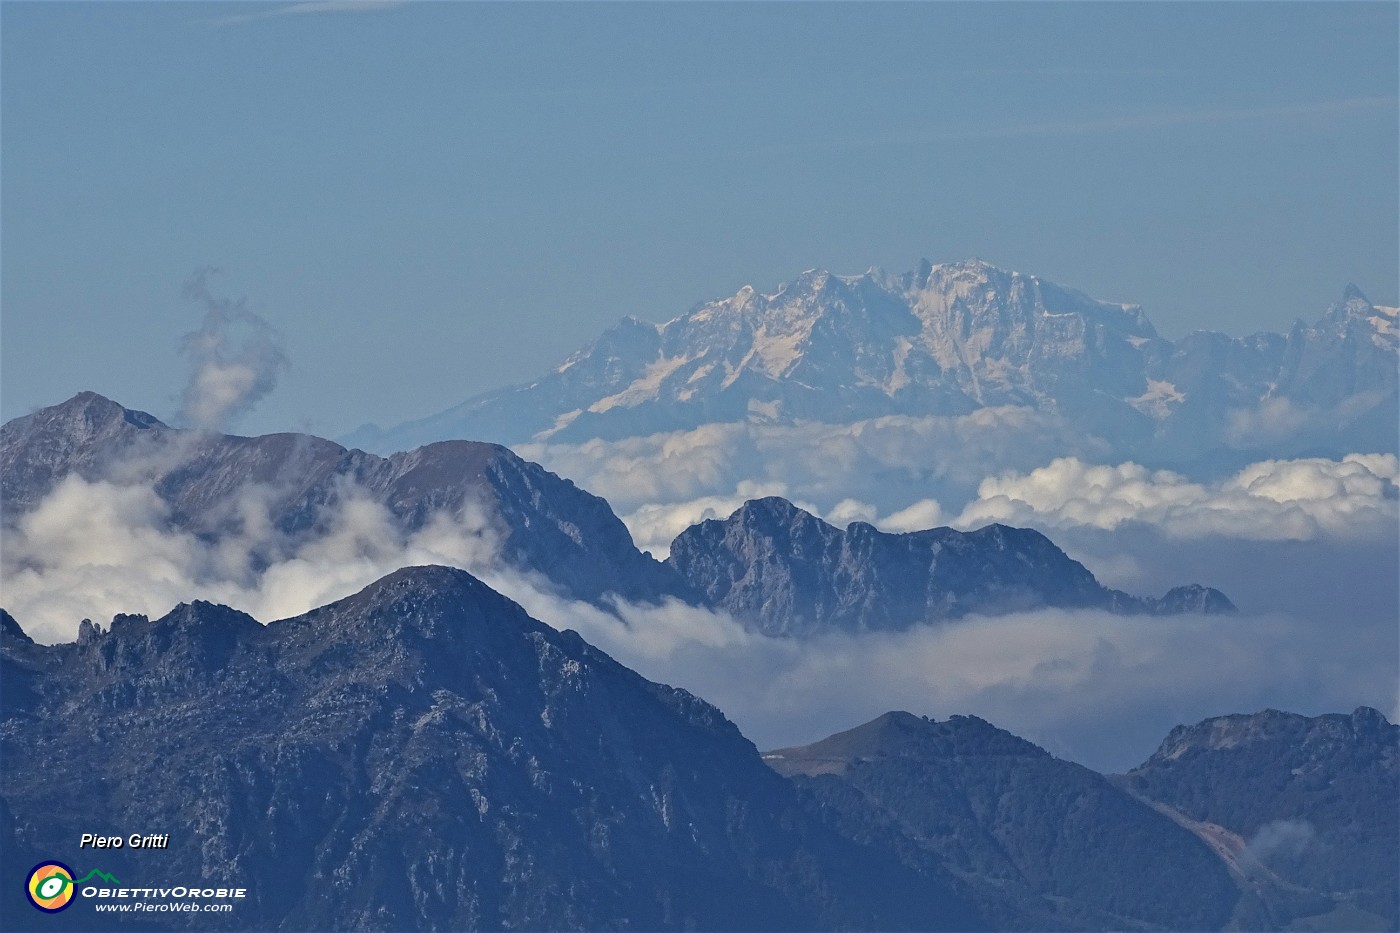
905 474
92 549
1355 498
1097 688
885 462
1271 500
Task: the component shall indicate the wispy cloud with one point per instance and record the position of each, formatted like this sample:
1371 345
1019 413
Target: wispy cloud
235 358
272 11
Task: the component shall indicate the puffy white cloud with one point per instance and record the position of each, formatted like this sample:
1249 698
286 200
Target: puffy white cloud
92 549
926 513
1269 500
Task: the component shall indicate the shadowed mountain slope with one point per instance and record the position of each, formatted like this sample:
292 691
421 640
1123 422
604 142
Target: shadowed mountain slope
1304 805
541 522
422 755
783 571
1045 843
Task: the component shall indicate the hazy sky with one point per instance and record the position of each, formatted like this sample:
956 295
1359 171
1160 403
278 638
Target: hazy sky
430 200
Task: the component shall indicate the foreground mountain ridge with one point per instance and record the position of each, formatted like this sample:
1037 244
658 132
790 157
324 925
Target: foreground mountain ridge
1038 837
1283 820
423 754
1307 805
947 340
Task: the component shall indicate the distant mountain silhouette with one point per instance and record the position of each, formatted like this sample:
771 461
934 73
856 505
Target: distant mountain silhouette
784 571
948 340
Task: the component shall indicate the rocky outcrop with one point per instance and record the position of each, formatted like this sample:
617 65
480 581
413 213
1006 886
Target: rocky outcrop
783 571
422 755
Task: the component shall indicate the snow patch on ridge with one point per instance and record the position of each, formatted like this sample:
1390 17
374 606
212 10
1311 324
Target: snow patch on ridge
1159 398
642 388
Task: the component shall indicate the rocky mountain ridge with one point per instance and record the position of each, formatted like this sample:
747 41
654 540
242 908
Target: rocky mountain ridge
776 568
784 571
947 340
421 755
538 521
1268 820
1045 844
1308 804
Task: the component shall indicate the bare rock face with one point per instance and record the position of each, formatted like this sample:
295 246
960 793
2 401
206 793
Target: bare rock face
947 340
783 571
543 523
1309 802
1044 843
421 755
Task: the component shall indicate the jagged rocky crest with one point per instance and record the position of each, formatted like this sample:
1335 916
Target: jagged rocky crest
947 340
783 571
422 755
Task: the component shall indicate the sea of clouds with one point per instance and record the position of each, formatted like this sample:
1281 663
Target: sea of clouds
1307 548
1317 631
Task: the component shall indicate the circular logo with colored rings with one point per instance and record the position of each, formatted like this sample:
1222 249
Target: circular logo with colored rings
50 886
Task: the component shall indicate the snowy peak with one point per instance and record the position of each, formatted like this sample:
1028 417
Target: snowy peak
967 330
945 340
1355 312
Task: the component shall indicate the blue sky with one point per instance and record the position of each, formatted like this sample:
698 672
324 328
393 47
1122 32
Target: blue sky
430 200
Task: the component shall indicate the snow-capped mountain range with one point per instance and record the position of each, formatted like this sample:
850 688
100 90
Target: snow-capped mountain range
947 340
